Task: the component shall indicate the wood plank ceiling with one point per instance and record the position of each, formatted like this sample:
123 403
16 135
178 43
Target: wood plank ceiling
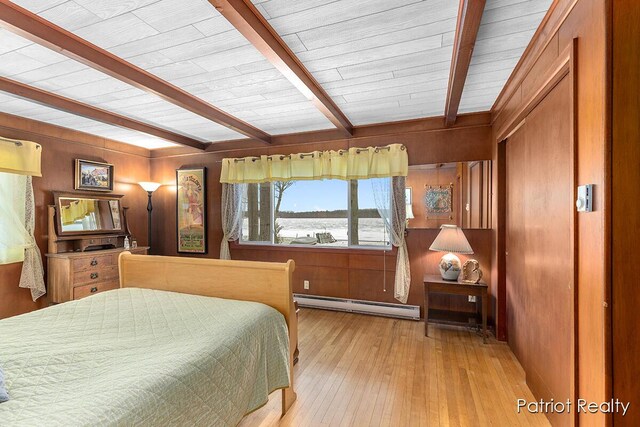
378 61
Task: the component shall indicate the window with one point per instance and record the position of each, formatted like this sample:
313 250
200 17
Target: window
331 212
12 217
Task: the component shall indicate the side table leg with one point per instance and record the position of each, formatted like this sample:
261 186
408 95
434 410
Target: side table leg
484 317
426 312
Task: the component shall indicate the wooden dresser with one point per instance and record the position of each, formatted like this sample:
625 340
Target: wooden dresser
87 232
74 275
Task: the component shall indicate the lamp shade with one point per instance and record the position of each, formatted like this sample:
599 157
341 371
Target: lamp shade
451 239
409 211
149 186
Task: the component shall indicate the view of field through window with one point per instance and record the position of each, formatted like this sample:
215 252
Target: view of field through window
321 212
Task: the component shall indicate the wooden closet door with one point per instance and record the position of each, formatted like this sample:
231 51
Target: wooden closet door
540 263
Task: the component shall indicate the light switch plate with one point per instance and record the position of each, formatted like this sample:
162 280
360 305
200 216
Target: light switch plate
584 202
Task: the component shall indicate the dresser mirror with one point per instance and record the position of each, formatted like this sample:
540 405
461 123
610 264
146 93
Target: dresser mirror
449 193
79 214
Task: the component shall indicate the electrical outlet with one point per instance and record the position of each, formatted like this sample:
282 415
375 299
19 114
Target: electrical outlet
306 284
472 298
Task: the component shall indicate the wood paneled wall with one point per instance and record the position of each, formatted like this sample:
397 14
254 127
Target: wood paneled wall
625 299
60 147
588 21
341 273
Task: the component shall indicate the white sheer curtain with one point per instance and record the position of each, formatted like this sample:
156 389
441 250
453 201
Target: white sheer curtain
231 216
17 226
390 202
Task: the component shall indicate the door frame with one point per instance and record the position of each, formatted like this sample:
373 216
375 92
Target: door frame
564 65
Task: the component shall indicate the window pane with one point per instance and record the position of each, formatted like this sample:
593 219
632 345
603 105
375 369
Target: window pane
12 217
256 210
367 226
311 212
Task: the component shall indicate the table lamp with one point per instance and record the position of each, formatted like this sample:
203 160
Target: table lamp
452 240
149 187
409 212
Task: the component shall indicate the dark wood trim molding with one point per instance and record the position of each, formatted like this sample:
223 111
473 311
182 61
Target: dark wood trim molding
432 124
469 17
85 110
540 40
560 68
243 15
38 30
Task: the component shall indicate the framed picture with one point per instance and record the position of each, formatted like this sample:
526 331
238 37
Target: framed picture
93 176
191 210
438 199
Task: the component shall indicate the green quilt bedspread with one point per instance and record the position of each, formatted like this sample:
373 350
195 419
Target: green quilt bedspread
142 357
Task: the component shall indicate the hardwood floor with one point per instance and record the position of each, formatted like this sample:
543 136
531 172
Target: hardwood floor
358 370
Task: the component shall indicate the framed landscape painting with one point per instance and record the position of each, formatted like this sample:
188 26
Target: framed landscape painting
191 210
93 176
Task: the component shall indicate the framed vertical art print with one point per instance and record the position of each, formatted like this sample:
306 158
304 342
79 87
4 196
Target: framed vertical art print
191 210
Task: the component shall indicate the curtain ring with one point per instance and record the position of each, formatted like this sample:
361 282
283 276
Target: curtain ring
281 157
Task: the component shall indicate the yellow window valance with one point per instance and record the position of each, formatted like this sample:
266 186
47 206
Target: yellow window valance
355 163
20 157
77 210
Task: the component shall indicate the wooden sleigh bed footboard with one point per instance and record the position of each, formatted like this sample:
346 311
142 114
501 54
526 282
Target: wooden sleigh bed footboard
269 283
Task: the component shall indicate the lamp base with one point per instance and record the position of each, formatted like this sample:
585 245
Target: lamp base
450 267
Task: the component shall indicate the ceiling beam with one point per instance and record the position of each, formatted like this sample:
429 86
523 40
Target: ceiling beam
469 17
38 30
71 106
252 25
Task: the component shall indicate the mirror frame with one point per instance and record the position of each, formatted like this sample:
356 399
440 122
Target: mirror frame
57 195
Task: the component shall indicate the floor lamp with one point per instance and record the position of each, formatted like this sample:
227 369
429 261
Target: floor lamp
149 187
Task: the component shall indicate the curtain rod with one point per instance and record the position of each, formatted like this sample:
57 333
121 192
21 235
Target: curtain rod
16 142
302 156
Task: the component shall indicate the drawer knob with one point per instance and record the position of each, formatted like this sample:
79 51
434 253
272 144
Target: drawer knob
94 262
94 289
94 275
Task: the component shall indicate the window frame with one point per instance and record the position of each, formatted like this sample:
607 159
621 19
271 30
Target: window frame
386 248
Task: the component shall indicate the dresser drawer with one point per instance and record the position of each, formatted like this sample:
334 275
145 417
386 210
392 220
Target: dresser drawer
93 262
94 288
95 275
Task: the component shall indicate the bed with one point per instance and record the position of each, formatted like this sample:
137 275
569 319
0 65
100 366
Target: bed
184 341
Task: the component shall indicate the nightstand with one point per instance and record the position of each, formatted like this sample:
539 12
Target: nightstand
435 284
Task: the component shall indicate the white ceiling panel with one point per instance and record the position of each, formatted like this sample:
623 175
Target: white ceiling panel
16 106
505 31
43 68
189 44
371 56
71 15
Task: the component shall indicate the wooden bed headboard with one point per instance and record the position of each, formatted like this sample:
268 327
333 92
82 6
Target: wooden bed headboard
269 283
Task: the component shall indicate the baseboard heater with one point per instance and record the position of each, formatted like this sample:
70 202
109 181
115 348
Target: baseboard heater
359 306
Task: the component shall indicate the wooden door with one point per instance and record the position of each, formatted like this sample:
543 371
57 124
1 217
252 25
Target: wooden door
540 262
